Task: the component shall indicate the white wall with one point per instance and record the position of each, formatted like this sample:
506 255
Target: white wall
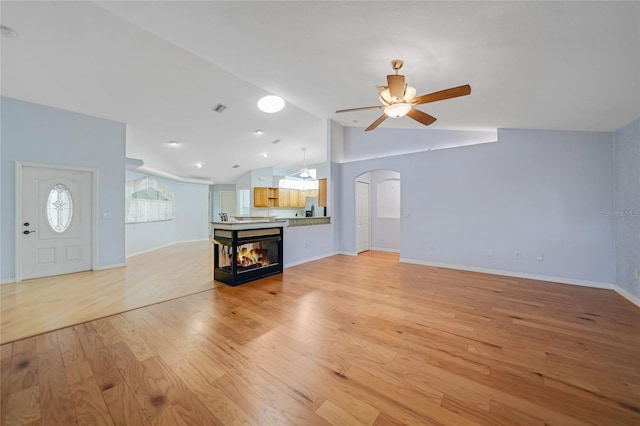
531 192
190 224
45 135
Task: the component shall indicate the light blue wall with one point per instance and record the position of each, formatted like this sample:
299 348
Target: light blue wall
626 206
531 192
41 134
190 224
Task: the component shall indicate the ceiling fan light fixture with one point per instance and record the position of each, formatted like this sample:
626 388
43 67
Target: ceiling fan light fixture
409 93
270 104
397 110
385 96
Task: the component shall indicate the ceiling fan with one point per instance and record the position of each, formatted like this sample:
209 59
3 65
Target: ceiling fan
398 99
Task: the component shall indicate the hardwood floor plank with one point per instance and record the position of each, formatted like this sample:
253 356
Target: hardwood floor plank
6 352
70 347
149 394
216 401
24 365
85 296
56 405
90 407
342 340
102 365
23 407
122 406
182 399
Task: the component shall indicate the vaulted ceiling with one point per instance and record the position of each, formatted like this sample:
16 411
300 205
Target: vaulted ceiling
163 66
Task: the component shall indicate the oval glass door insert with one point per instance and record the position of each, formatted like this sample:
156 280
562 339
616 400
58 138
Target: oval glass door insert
59 208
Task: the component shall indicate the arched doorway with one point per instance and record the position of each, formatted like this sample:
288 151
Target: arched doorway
378 211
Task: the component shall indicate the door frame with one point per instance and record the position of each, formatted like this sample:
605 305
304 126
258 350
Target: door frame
369 211
18 210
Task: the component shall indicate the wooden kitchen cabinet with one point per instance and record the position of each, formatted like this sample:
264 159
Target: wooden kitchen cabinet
260 197
296 199
283 198
322 192
265 197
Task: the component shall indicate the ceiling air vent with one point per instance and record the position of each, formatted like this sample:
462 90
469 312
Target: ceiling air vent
276 141
219 108
236 166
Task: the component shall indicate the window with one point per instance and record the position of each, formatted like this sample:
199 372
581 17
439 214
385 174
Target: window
148 200
59 208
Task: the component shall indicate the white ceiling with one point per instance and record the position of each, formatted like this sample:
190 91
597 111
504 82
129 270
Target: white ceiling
162 66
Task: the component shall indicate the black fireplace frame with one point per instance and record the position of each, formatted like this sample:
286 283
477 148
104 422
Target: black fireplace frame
236 238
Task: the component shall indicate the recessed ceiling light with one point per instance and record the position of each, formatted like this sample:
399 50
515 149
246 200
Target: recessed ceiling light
199 165
271 104
264 154
174 143
236 166
258 132
8 32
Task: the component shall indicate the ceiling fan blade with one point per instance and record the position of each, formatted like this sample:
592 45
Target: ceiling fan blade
454 92
396 85
376 123
359 109
421 117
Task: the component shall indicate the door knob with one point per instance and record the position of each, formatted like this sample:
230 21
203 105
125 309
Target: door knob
28 232
26 224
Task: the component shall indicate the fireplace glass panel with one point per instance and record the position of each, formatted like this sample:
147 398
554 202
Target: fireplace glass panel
250 256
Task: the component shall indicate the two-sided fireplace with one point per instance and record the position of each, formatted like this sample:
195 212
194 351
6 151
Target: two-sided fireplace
243 255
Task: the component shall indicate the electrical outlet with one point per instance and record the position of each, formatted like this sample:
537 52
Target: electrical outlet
518 255
106 215
636 273
540 256
490 253
430 247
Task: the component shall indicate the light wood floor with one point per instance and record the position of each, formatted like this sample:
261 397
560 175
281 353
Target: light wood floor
40 305
344 341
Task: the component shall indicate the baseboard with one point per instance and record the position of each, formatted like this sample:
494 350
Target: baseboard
9 280
310 259
560 280
347 253
630 297
192 241
385 249
165 246
112 266
151 249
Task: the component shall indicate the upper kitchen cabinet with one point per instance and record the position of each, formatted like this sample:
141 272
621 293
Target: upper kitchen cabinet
283 198
322 192
265 197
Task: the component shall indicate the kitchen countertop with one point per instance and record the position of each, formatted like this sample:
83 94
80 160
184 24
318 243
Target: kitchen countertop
249 224
309 221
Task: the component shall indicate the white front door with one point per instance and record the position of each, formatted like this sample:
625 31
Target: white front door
362 217
55 223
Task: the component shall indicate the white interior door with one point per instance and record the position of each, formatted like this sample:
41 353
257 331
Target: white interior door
363 215
55 223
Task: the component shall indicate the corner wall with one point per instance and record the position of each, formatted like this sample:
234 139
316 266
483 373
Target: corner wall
41 134
190 224
626 207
